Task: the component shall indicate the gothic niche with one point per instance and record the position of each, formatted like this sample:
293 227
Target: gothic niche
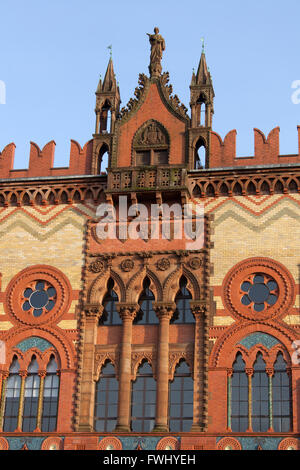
151 145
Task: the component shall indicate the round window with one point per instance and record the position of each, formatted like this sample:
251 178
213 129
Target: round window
39 298
259 291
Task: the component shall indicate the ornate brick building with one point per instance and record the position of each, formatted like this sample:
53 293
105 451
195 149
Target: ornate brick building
138 342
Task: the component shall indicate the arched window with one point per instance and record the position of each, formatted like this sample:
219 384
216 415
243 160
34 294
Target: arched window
106 399
201 110
281 394
143 400
181 399
105 118
31 397
239 396
260 396
146 315
200 155
110 315
103 159
151 145
183 313
50 397
12 397
270 400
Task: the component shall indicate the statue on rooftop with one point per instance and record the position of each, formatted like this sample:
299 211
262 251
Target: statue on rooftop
158 45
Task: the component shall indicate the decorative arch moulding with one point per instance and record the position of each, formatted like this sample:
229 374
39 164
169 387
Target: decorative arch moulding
266 183
258 289
36 194
38 295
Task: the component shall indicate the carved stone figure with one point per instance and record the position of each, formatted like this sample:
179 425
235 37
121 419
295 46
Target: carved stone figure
158 45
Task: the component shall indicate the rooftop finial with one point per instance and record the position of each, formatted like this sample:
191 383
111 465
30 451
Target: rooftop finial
202 40
110 50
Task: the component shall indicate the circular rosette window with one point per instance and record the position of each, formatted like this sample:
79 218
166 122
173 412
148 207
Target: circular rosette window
38 295
258 288
259 292
39 298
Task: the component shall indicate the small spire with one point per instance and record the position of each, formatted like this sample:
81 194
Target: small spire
109 82
99 87
202 76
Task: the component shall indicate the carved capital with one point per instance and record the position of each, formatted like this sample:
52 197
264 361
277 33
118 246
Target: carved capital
270 371
198 309
42 373
4 374
229 372
127 311
249 371
23 373
164 310
93 310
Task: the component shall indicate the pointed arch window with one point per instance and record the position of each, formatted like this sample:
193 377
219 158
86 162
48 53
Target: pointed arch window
281 395
201 111
110 315
106 399
105 118
12 397
200 155
103 159
183 313
239 396
143 400
50 397
260 396
31 397
146 314
181 399
266 393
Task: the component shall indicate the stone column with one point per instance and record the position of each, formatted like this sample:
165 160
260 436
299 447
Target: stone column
87 387
42 375
270 373
23 374
200 367
164 313
4 375
127 313
249 372
229 395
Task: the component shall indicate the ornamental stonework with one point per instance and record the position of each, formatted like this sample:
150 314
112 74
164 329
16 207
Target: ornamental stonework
258 289
163 264
127 265
97 266
38 295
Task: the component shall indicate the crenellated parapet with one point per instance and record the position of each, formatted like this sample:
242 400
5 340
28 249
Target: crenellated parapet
41 161
266 150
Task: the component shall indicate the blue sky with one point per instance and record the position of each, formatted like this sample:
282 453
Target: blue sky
52 53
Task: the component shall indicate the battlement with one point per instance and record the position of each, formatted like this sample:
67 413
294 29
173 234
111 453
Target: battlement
41 161
266 150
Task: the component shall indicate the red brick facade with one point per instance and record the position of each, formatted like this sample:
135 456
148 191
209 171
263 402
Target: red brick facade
242 283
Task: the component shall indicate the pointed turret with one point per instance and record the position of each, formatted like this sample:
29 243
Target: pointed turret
202 95
202 109
107 101
203 75
109 83
107 109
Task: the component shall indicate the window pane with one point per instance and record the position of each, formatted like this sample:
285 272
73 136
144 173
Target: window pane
106 399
